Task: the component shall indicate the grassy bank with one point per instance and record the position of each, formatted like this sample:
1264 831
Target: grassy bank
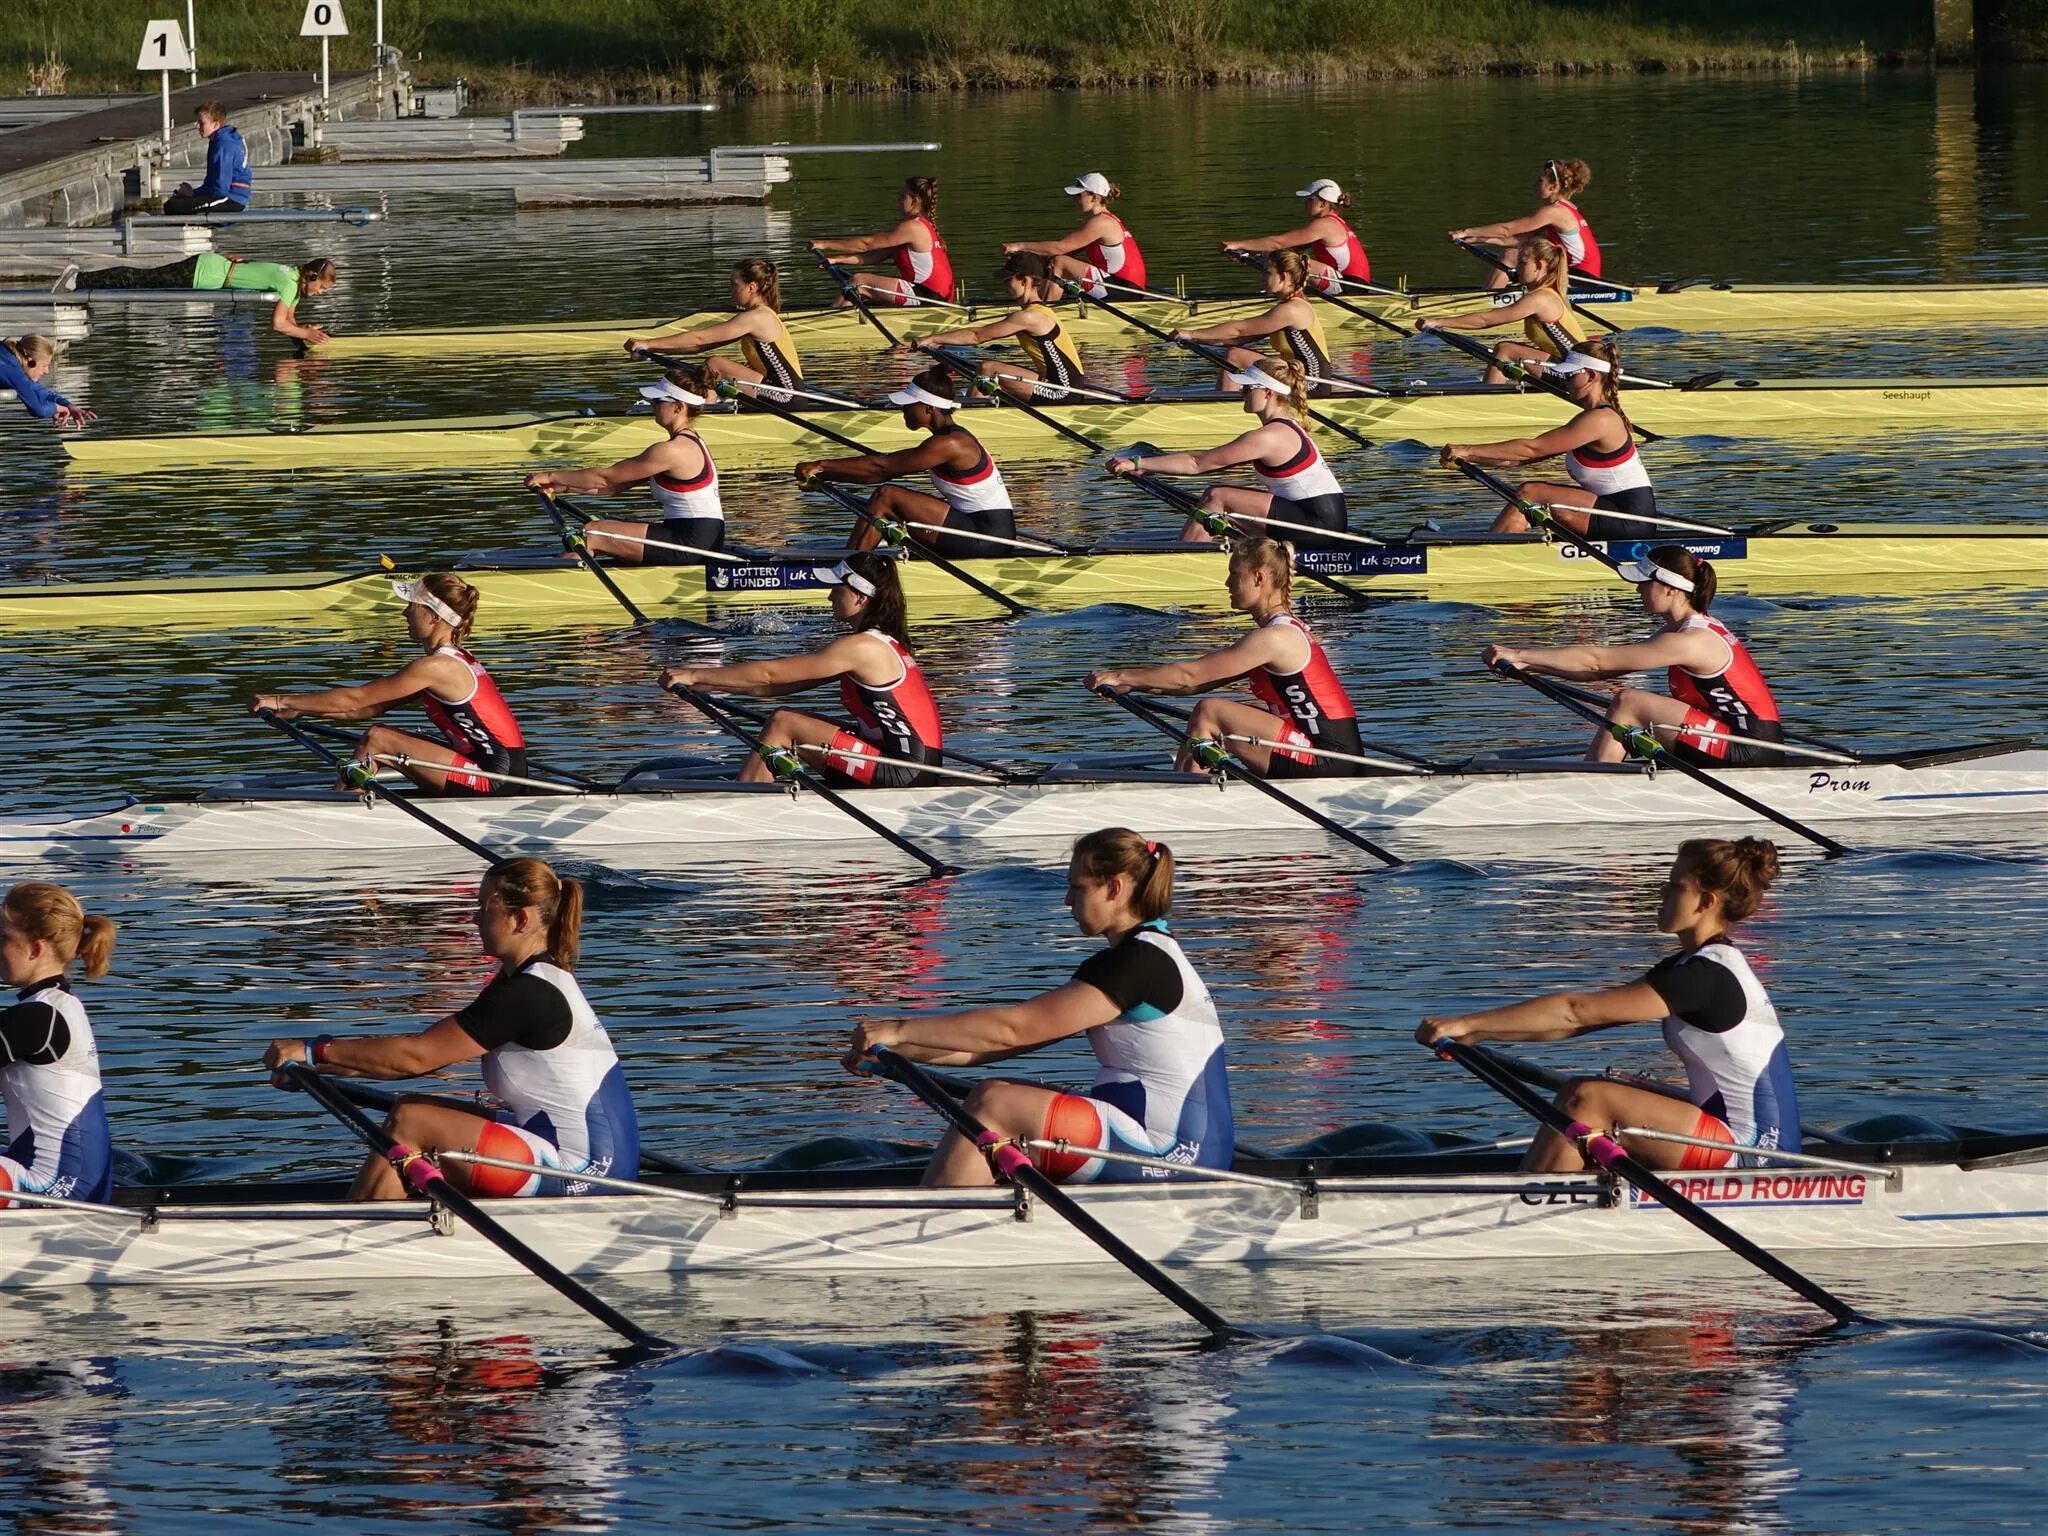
514 50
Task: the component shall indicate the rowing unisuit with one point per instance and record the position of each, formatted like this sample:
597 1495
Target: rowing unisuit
1312 701
1578 240
1119 258
1736 698
929 272
1307 346
1054 357
480 725
1556 337
58 1142
1619 481
900 720
1305 482
774 356
1349 258
1724 1028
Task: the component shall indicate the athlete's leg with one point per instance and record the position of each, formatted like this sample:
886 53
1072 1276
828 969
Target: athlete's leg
1513 352
1607 1106
1009 1109
1221 719
898 503
786 728
1636 706
429 764
1546 493
1232 501
430 1128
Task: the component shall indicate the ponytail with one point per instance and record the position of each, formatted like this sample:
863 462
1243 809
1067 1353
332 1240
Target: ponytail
559 900
1737 873
1293 269
1557 266
765 277
1694 568
888 610
1287 372
37 910
1147 864
458 595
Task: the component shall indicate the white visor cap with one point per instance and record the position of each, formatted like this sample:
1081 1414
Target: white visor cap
1256 378
917 394
668 389
1647 569
413 593
1576 362
844 575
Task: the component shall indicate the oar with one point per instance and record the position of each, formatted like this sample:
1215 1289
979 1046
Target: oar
1611 1155
847 286
574 542
347 770
743 389
1212 756
1525 374
1536 512
1499 265
1255 259
951 353
1644 744
916 548
1840 752
1210 354
732 391
423 1178
786 765
1015 1166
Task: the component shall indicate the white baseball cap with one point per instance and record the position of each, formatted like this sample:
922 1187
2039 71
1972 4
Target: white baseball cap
1094 182
1322 187
844 575
668 389
1576 362
1647 569
914 393
1256 378
415 592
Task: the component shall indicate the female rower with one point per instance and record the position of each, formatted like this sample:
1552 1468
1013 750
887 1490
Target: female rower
1307 712
546 1057
1302 500
680 473
480 743
1162 1088
923 269
57 1137
767 355
1055 359
1558 183
880 684
24 364
1608 478
1720 711
1101 251
210 271
972 498
1548 322
1335 254
1296 331
1716 1016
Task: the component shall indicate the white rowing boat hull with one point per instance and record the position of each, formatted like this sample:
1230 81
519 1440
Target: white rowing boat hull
1436 1219
720 816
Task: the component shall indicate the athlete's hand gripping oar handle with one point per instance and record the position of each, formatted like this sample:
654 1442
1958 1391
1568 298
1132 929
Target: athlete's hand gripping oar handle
1644 744
1014 1164
1611 1155
346 769
1255 259
1541 516
1217 759
851 289
913 547
422 1177
788 765
574 542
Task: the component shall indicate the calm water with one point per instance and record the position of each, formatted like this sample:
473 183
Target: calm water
1667 1396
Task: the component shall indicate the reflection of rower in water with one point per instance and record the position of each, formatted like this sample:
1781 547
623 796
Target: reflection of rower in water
58 1142
1717 1019
923 269
880 684
678 470
1305 703
1101 251
1055 360
972 496
1720 712
767 355
24 364
478 729
1334 252
1161 1086
1549 325
1599 448
209 272
1292 324
546 1057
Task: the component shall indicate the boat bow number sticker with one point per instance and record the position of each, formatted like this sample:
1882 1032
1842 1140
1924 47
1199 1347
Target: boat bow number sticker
323 19
163 48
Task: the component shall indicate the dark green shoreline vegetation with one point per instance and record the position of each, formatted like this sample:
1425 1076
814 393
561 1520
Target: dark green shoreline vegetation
523 51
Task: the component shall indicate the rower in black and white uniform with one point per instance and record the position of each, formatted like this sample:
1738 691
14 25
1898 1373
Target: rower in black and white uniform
57 1137
679 472
546 1057
1717 1019
1291 326
972 498
1054 362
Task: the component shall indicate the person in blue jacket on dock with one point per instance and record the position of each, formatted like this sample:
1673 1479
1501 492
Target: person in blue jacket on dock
24 360
227 186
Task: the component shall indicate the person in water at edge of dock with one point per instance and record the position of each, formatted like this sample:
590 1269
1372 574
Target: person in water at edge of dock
227 185
24 364
210 271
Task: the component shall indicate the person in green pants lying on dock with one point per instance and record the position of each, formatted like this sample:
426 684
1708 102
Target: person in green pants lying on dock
209 271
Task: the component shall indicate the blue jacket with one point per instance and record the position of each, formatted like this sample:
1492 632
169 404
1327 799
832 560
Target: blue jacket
36 399
227 166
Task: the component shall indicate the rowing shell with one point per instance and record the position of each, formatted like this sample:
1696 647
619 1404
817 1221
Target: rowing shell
1695 307
1979 1192
696 812
1797 408
1814 557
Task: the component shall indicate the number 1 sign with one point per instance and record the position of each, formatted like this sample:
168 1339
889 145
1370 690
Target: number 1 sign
163 50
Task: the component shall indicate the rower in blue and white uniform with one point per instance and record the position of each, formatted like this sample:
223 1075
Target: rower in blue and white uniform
546 1058
1161 1092
1716 1017
57 1137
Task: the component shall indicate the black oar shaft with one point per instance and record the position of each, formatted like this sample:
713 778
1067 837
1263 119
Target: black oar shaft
422 1177
1499 265
797 418
1615 1158
917 549
1526 373
1536 514
1245 775
1017 1167
573 542
853 295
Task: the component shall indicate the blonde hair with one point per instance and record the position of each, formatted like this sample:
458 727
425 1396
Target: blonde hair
1287 372
1271 558
533 883
1557 266
32 349
1146 863
38 910
1570 177
1737 872
457 594
1603 349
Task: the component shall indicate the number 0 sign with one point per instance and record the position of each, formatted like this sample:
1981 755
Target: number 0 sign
323 20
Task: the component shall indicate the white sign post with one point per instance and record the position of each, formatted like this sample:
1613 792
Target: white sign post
323 20
192 38
163 50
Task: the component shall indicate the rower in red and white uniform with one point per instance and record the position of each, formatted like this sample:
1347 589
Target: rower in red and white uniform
546 1058
970 516
1335 254
896 720
1717 1019
679 472
1302 500
58 1142
1720 711
1558 183
1102 253
924 272
1307 715
481 745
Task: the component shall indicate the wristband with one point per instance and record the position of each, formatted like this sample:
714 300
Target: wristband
316 1050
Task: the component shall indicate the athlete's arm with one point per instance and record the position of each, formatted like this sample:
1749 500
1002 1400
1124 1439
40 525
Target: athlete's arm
741 324
284 320
1255 444
674 456
974 1036
1311 233
874 468
372 698
1509 230
383 1056
882 240
1556 1017
1000 329
1097 227
1697 650
775 676
1583 430
1278 318
1524 308
1263 647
